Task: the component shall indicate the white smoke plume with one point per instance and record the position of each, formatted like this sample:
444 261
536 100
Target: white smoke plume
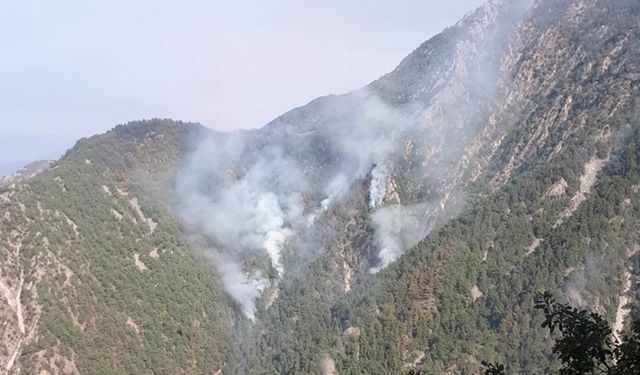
244 212
336 188
579 287
243 288
249 199
398 228
378 189
333 191
253 194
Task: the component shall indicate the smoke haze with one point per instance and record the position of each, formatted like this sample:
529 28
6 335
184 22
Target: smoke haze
256 196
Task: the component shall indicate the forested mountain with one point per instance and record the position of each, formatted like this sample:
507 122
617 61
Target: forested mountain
404 226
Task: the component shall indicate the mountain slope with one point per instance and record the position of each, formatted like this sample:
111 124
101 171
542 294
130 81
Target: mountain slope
562 217
95 274
406 225
557 117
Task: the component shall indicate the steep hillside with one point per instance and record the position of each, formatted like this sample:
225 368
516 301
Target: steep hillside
95 275
513 118
556 210
403 226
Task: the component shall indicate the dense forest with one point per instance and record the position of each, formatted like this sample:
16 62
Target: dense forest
526 181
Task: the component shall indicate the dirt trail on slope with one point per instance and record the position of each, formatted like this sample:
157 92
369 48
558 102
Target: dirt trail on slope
587 181
623 310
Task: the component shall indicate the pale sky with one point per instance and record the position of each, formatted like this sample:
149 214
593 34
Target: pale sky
74 68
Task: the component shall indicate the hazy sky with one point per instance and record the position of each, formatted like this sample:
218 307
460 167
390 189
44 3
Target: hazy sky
73 68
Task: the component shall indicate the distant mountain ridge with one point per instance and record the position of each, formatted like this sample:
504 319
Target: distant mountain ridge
28 171
403 226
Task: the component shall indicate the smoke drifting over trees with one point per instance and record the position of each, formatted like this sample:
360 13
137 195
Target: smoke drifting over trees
252 199
244 200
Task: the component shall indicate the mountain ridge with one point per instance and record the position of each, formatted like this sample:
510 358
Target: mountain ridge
507 144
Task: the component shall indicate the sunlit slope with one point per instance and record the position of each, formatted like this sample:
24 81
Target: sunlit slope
96 277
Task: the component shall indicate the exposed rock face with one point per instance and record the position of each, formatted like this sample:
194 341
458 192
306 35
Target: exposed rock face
587 180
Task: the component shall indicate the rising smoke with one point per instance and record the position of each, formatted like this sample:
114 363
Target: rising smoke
397 228
252 195
244 212
248 200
